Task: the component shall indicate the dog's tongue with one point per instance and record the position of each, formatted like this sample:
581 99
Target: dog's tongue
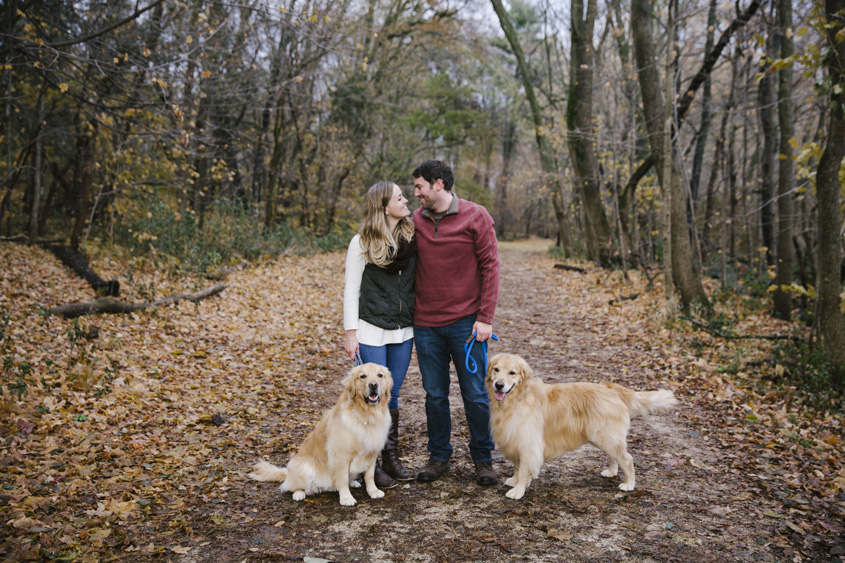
374 397
500 396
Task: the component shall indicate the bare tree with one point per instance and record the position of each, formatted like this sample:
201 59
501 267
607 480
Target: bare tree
579 121
831 321
786 179
685 274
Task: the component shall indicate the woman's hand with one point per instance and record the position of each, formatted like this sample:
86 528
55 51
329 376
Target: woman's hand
350 343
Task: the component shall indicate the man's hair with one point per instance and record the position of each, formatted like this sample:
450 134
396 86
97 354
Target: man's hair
432 170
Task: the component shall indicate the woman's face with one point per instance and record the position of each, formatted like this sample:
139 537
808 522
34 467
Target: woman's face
397 207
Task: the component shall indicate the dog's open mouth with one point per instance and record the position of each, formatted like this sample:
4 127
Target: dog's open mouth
500 395
373 399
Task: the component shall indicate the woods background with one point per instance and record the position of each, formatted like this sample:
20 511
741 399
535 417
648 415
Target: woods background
701 135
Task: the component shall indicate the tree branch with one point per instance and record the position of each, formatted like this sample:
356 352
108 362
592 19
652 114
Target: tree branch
726 336
695 84
105 30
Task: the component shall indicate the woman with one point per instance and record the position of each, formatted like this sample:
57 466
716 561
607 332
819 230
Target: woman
378 303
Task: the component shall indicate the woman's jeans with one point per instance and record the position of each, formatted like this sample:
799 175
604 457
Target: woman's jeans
396 358
436 347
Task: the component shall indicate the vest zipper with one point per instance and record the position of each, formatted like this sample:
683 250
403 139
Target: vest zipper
399 295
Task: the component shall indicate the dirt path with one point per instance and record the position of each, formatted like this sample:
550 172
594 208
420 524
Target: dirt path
689 505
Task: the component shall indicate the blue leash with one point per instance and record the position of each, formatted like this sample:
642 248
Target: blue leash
470 363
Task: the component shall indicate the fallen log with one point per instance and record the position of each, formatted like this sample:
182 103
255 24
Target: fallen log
116 306
570 268
74 260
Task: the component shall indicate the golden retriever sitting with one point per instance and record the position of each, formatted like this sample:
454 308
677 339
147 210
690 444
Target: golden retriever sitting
533 421
345 443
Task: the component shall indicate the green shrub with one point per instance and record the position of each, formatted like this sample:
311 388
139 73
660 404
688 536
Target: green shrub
807 367
230 233
16 375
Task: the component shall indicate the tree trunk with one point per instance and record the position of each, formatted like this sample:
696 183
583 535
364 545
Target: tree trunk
704 130
766 114
686 278
579 123
36 196
546 156
831 322
85 145
784 265
668 158
503 207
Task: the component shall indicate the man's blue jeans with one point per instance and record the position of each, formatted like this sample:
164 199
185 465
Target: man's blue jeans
396 358
436 348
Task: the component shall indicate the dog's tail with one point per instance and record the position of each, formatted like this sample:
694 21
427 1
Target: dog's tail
264 471
642 403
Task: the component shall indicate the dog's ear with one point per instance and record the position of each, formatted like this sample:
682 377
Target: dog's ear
525 369
492 363
353 374
388 379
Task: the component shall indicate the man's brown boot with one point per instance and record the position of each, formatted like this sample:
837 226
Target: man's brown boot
485 475
432 471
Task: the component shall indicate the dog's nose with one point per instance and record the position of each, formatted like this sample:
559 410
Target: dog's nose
373 386
499 385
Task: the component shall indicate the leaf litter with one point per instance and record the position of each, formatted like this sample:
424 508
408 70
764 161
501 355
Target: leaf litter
136 432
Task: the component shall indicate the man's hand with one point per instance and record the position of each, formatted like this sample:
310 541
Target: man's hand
350 342
482 331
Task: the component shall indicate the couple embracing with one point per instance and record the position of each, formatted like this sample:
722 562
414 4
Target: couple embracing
433 279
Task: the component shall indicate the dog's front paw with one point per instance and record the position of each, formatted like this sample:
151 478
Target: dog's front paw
511 481
516 493
626 487
347 500
376 493
609 473
298 495
354 483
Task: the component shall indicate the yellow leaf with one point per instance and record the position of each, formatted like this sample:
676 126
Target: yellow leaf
63 87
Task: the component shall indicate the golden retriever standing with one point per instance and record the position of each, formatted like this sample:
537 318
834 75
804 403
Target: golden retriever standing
534 422
345 443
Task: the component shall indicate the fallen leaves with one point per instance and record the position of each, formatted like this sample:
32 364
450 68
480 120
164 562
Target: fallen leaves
134 436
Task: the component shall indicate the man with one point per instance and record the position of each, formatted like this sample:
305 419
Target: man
457 288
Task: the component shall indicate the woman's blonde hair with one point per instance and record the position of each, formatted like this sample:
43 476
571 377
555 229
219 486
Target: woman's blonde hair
379 244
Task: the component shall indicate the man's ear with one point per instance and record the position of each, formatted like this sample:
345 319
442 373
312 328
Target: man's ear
438 184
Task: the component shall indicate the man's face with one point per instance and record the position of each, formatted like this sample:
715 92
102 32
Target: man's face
425 192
